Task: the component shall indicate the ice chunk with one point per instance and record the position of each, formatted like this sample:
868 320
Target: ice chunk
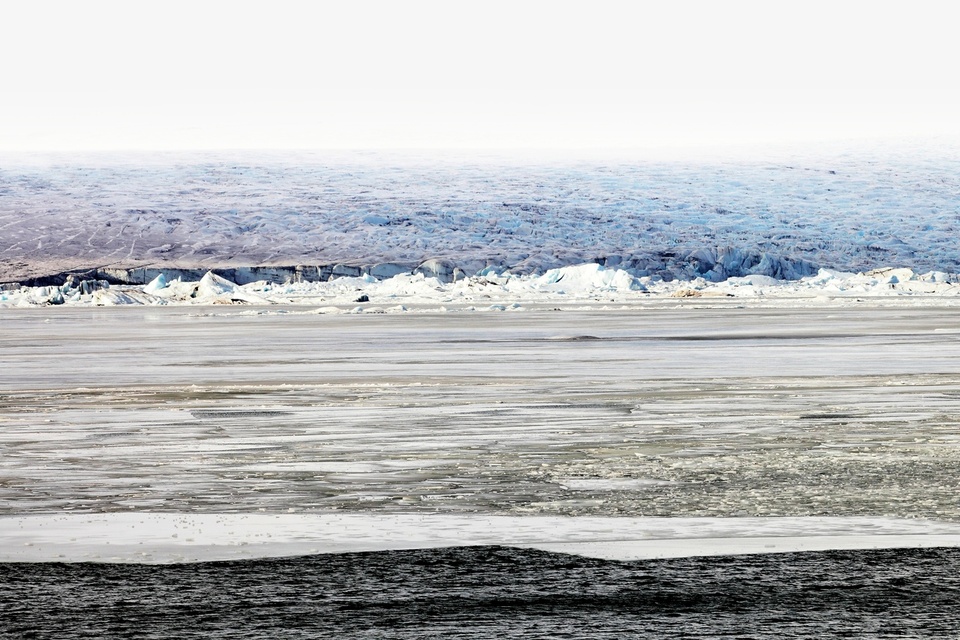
375 220
586 277
157 284
891 275
442 270
755 280
212 285
113 297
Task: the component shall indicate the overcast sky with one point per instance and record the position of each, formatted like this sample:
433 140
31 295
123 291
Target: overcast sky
352 74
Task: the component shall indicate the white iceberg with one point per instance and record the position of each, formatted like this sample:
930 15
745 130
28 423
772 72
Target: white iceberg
589 277
157 284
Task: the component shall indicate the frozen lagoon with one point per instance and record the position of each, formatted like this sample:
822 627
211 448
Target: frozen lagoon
666 428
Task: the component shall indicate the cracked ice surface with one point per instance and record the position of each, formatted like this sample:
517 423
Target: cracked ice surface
587 426
850 210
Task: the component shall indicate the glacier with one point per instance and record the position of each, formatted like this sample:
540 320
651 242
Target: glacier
249 217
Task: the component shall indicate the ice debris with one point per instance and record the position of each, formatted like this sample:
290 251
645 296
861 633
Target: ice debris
490 288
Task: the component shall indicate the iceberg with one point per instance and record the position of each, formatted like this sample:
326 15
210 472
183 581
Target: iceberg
212 286
586 278
157 284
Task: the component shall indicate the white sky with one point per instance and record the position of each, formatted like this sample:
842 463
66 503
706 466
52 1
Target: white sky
351 74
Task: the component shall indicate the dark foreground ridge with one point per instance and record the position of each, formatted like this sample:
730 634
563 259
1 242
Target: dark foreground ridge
491 592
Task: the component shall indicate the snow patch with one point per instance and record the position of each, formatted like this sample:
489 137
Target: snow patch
162 538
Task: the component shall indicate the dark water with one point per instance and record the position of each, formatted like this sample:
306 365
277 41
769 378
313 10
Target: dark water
487 592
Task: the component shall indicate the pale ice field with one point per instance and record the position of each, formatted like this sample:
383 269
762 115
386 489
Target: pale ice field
158 434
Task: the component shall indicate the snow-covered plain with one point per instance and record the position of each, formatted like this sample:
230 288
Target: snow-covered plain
667 429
